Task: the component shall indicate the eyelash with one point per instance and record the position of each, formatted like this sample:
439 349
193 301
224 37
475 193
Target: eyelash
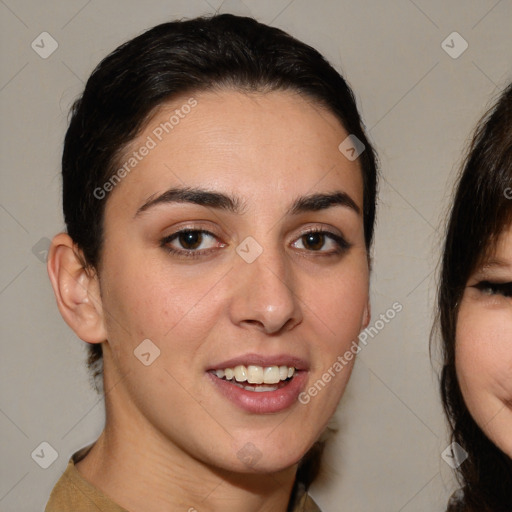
504 289
342 244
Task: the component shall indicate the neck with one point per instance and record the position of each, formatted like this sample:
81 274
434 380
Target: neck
142 471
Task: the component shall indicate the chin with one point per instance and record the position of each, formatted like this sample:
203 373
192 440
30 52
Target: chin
265 465
257 457
270 457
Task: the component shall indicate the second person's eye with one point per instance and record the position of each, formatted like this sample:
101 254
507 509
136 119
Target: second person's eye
491 288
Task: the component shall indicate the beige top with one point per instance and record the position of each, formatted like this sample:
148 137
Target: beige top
73 493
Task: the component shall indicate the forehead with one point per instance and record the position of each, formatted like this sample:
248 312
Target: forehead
261 144
499 248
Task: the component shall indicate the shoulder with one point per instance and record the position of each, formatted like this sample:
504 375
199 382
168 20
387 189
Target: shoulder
73 492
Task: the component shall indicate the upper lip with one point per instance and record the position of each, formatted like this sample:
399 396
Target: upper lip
262 360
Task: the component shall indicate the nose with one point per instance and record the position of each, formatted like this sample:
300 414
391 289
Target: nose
265 295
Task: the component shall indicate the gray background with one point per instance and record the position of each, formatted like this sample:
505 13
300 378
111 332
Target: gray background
420 106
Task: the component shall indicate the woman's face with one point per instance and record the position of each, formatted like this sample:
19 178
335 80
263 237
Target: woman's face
484 345
270 272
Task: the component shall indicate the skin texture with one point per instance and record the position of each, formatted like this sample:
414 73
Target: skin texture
171 439
483 346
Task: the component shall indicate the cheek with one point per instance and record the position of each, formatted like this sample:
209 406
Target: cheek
342 298
484 355
335 313
150 286
152 301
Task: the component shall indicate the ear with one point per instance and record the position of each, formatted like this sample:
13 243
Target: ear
76 289
367 314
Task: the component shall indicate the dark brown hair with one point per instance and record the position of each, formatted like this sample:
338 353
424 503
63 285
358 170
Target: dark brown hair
481 210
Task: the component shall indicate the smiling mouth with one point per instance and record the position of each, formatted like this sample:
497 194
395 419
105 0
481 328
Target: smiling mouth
257 378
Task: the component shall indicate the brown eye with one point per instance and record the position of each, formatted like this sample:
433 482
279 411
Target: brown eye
314 241
191 243
323 242
190 239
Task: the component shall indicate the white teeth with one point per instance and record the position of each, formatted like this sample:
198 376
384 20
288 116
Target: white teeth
271 375
240 373
259 389
254 374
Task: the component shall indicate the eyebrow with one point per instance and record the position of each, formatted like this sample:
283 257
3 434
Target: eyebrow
222 201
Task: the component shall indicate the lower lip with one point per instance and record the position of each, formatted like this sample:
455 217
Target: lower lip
264 402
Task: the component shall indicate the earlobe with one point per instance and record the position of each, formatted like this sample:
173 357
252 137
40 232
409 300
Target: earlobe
76 289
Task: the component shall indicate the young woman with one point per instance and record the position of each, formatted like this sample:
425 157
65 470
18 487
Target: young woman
475 308
219 198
